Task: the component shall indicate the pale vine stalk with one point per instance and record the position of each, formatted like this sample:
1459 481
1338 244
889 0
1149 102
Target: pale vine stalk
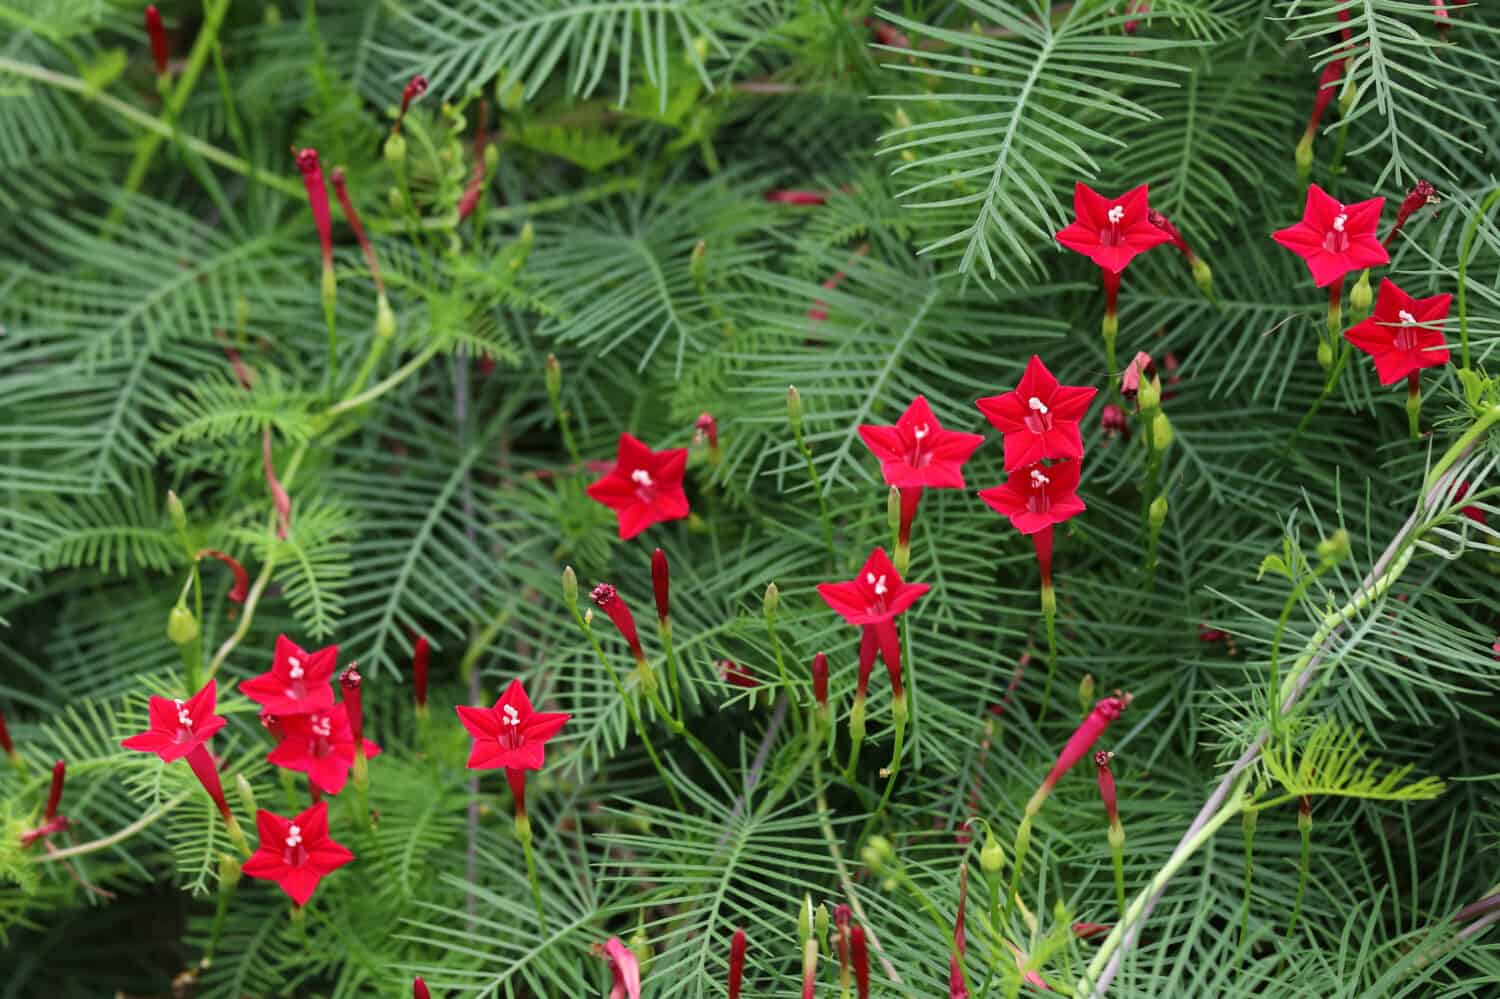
1227 798
118 836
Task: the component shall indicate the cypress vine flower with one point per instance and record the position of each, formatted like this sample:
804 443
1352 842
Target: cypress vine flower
914 454
298 682
1039 418
419 656
644 487
1111 231
317 200
158 35
415 88
341 191
474 189
241 588
511 734
321 745
1334 238
661 586
782 196
1418 197
1112 421
419 989
859 956
181 730
608 599
624 970
1079 745
873 600
1036 497
296 853
706 428
1404 334
736 962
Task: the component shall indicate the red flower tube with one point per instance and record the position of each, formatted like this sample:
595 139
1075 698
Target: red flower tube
419 989
1078 746
736 962
341 191
54 793
55 825
820 680
661 585
317 200
415 88
420 652
737 674
608 599
158 35
241 588
474 190
7 745
859 956
624 969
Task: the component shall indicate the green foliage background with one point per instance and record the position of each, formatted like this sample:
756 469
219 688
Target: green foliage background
142 234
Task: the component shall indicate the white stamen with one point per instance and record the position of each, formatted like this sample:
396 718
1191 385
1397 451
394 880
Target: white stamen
296 665
322 725
870 578
1407 318
1037 405
1038 480
1338 222
920 432
294 835
641 477
880 588
1116 214
184 717
512 716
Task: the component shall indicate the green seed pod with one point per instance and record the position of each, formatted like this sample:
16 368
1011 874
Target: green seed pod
992 856
395 148
182 627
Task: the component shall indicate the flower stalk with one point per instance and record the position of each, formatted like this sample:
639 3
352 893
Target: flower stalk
1116 830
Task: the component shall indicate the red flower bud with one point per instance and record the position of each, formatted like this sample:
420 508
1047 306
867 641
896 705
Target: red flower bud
1418 197
158 36
419 671
1082 740
54 793
860 958
349 682
736 963
341 190
415 88
1207 634
317 200
5 743
737 674
1112 421
661 584
608 599
820 681
783 196
241 588
1107 787
1084 931
956 987
706 428
1135 10
419 987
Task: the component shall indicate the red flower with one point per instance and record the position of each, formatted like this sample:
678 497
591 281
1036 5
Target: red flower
1335 238
859 956
1078 745
873 599
608 599
317 200
624 969
1040 418
178 727
1404 334
1037 496
320 745
1111 231
419 989
789 197
737 674
644 487
736 962
158 36
419 655
510 734
298 683
296 853
917 451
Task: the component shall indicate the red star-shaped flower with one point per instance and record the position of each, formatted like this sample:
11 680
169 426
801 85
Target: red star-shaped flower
1404 334
644 487
1037 496
298 683
1111 231
320 745
1335 238
917 451
873 599
1040 418
296 853
510 734
178 727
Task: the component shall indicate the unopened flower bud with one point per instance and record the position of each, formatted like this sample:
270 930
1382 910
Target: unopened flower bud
820 921
877 852
1304 158
1203 277
395 148
1325 355
554 379
794 408
893 508
1347 96
1158 512
1161 431
772 600
246 792
385 318
570 586
804 919
820 680
176 512
697 262
1086 692
491 158
1360 296
182 627
640 944
394 200
229 872
1148 395
992 855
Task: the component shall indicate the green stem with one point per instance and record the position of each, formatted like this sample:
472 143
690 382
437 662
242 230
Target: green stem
711 761
898 715
794 706
1049 620
1457 448
937 919
856 735
1464 252
1328 387
523 833
1117 855
380 388
1287 607
1249 828
117 837
1305 828
664 630
817 483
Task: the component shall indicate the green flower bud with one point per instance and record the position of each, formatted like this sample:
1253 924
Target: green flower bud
1086 692
246 792
523 247
385 319
394 199
1158 512
794 408
491 158
1360 296
182 627
395 148
992 856
554 378
804 919
893 509
1304 158
640 946
1148 394
570 586
176 512
1203 276
229 872
772 600
696 262
820 921
1161 431
1325 355
876 853
1346 97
